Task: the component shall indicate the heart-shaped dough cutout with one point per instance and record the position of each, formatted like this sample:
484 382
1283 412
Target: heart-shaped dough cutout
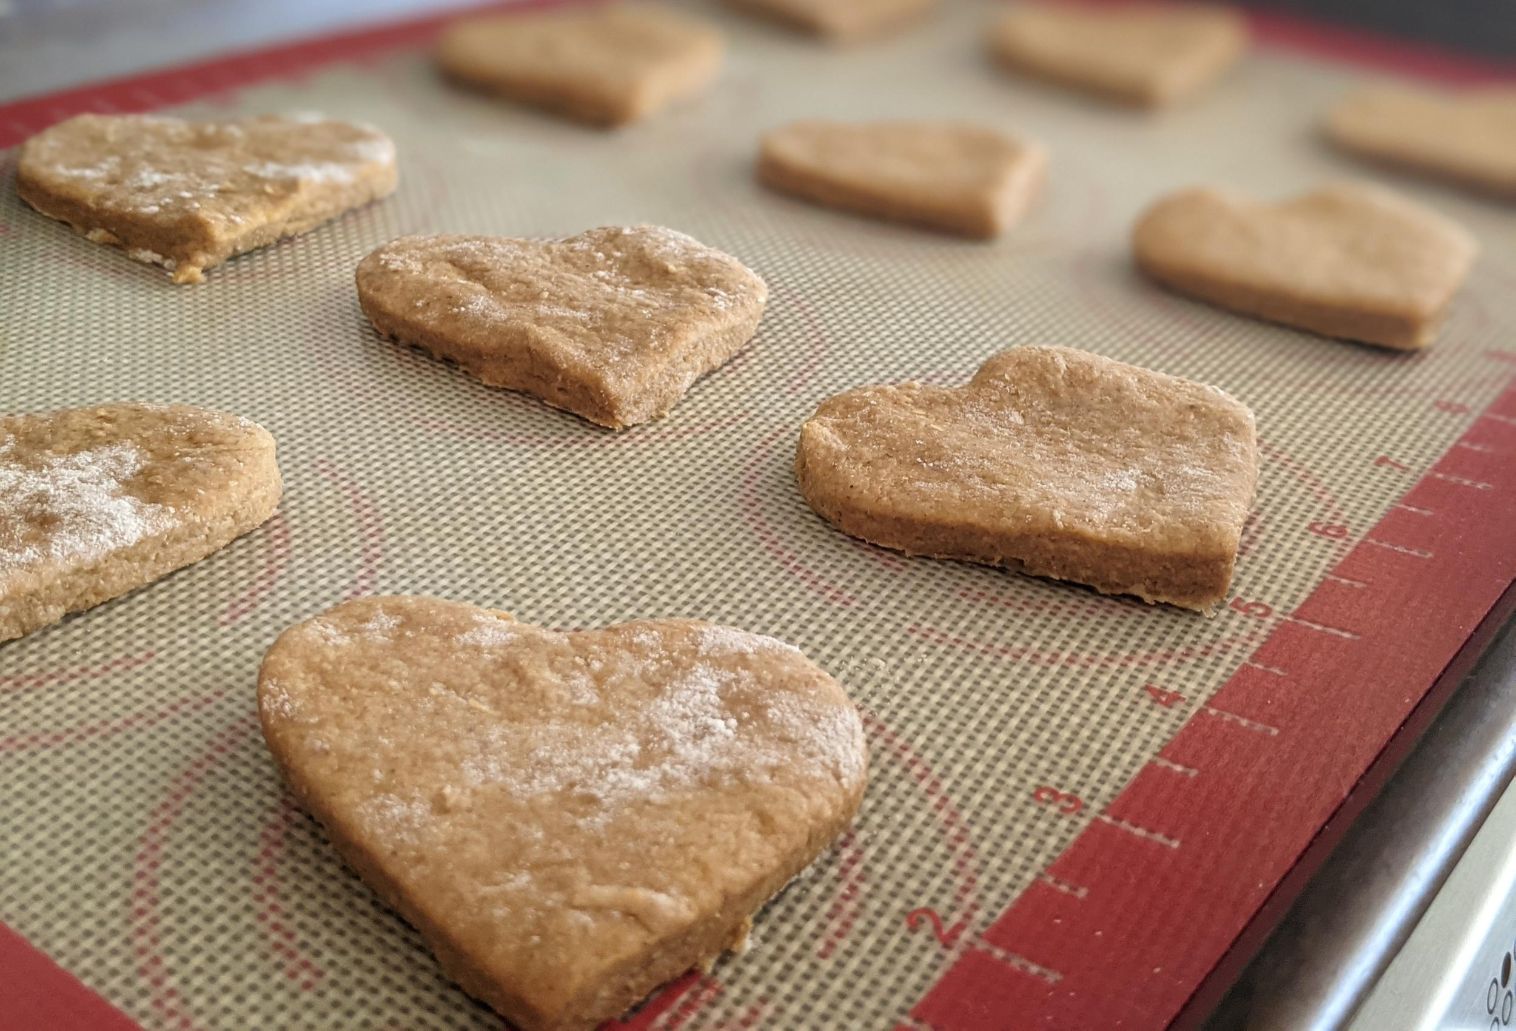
190 195
1469 138
100 501
606 65
1051 461
1142 54
570 819
840 21
1351 261
944 175
613 324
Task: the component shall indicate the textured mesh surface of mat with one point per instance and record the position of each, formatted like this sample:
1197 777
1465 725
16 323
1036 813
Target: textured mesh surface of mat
148 845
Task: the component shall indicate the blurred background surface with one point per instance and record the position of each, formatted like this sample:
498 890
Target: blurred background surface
47 45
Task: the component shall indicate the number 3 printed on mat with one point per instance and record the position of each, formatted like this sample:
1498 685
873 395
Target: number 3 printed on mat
1066 803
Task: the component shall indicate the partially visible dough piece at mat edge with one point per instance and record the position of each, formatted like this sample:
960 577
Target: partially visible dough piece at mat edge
1468 138
1349 260
1147 55
189 195
100 501
605 65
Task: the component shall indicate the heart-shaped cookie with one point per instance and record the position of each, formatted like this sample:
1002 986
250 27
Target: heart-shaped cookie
944 175
1051 461
840 21
1150 55
570 819
1468 137
1351 261
189 195
100 501
606 64
613 324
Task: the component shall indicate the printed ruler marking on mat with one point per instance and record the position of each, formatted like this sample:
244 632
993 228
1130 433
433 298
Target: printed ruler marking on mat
1273 755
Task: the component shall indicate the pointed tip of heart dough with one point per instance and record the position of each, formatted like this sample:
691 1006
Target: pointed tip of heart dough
570 819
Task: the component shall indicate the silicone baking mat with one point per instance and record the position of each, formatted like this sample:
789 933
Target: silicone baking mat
1077 802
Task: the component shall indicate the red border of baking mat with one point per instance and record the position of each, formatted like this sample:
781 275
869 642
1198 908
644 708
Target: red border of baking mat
1126 924
1138 911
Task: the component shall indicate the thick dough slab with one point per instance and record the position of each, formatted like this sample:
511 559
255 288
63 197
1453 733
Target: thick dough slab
96 502
190 195
607 64
613 324
570 819
1051 461
943 175
1149 55
1350 260
1468 138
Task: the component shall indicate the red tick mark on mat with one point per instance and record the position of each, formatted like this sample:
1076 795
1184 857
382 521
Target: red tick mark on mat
1417 552
1057 884
1173 767
1018 961
1241 721
1142 832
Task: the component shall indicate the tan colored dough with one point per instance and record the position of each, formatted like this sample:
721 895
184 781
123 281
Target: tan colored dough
1148 55
605 64
569 819
1350 260
943 175
1468 138
1051 461
190 195
840 21
96 502
613 324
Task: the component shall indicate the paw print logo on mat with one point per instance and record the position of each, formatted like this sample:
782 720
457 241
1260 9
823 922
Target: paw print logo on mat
1499 1000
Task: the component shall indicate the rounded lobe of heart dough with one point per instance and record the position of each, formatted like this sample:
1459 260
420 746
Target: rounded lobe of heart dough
1143 54
951 176
1051 461
613 324
190 195
100 501
605 65
1469 138
840 21
1350 260
570 819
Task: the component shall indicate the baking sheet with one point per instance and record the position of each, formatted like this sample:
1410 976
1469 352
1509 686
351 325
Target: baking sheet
148 846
